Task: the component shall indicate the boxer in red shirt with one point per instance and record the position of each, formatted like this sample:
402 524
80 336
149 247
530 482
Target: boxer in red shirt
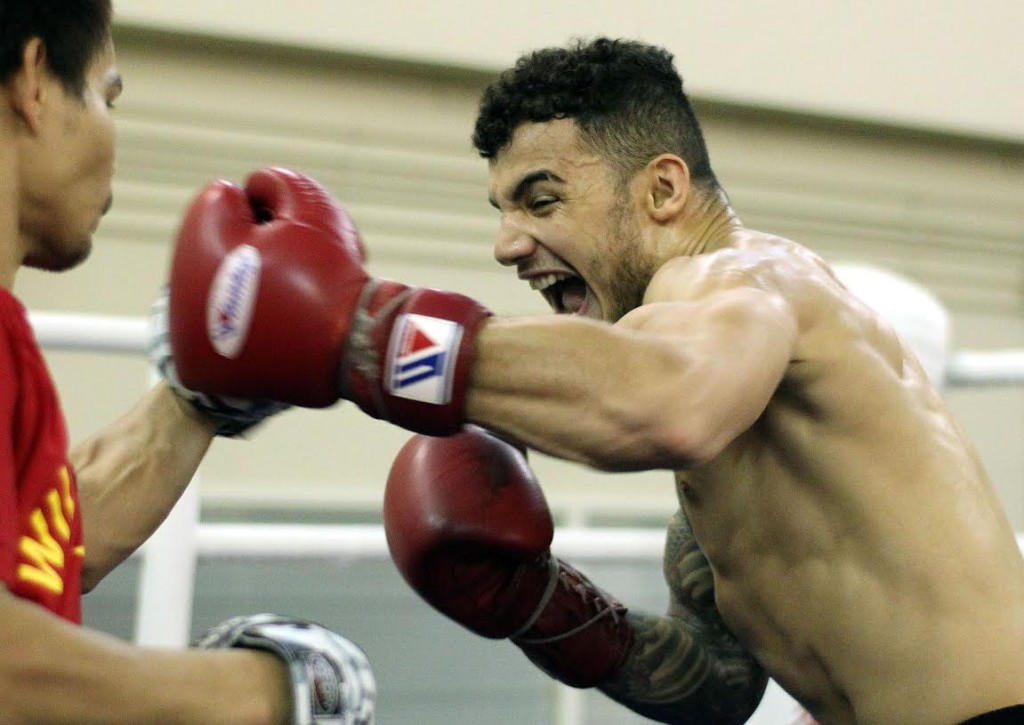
68 517
40 516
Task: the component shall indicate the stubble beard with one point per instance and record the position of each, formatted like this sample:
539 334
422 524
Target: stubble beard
633 267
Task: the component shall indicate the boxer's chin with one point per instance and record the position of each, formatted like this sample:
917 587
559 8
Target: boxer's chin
60 258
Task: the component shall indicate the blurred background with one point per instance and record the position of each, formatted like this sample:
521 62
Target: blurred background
883 134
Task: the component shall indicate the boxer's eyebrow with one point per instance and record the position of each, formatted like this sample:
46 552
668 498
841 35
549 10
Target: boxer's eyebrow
522 187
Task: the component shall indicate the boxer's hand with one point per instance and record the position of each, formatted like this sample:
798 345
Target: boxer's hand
232 416
469 529
270 300
331 678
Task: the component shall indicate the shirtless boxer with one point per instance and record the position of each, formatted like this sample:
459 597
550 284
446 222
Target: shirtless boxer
836 531
68 517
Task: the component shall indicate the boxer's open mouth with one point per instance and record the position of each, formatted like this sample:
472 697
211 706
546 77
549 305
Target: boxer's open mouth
564 292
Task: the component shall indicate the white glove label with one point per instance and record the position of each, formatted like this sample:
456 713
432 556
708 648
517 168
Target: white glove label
231 300
421 358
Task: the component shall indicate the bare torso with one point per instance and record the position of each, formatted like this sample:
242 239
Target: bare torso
859 551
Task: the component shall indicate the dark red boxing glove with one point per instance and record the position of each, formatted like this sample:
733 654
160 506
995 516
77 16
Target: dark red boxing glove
269 300
469 529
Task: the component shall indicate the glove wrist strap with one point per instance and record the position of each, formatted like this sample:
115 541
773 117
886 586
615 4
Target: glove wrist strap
408 355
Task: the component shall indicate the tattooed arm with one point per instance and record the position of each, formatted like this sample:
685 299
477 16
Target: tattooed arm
687 667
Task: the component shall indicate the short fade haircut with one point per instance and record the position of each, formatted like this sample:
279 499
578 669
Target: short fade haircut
72 31
626 98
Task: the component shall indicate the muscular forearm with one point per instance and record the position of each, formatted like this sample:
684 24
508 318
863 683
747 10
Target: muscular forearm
131 474
590 393
54 673
671 676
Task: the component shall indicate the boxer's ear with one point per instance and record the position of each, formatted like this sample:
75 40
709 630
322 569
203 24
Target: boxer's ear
666 186
26 90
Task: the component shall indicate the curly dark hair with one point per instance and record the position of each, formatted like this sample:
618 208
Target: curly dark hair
72 31
626 98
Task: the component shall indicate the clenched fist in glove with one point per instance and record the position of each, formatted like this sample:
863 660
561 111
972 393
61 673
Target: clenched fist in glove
331 678
269 299
231 416
469 529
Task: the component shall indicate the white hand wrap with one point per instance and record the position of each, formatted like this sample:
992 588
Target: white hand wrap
331 678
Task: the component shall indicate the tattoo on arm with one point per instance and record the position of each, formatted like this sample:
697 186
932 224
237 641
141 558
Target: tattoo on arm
687 666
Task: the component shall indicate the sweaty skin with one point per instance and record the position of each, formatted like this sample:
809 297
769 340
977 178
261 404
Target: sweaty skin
859 550
836 530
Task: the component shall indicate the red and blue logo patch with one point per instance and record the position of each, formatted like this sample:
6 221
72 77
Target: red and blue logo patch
421 358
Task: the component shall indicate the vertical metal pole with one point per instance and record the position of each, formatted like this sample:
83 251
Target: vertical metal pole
163 612
163 604
569 705
568 701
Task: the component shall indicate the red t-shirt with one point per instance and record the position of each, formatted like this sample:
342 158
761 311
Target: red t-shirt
40 522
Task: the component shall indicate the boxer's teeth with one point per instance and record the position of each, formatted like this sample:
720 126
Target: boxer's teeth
542 282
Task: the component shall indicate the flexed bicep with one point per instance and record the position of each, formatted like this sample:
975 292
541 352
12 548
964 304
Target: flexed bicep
725 350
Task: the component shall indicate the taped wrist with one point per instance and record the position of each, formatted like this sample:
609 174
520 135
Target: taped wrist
409 354
233 417
330 676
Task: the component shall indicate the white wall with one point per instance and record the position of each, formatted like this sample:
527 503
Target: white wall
944 64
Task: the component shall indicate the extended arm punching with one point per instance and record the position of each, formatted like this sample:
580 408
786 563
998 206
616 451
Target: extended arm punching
666 387
269 299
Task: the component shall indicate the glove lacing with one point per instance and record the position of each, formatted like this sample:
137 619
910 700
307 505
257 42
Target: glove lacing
589 594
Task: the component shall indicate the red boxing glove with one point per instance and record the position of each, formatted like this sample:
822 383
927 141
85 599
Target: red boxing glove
269 300
469 529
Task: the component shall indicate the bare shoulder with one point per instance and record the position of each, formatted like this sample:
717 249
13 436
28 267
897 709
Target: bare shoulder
830 321
766 281
771 283
752 261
